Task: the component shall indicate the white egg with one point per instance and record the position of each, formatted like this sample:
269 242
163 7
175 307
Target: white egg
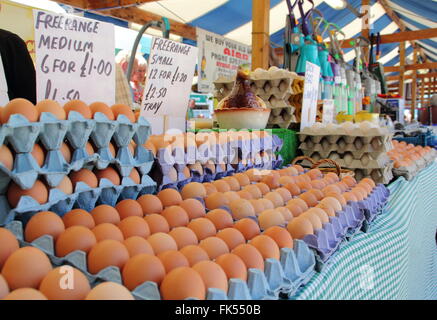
273 69
365 126
318 128
348 127
332 128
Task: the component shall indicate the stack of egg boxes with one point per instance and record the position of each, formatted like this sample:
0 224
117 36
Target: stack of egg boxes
280 277
364 153
188 161
51 132
409 172
273 86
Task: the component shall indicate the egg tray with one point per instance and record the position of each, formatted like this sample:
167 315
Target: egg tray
379 141
409 172
84 197
351 163
281 117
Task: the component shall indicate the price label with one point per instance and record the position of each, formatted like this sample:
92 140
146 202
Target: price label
328 111
169 78
74 58
310 94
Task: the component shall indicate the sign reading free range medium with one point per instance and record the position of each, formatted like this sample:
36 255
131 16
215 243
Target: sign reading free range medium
169 78
74 58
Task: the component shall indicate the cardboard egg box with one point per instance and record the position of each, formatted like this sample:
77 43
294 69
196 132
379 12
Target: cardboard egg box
281 117
350 160
83 197
383 175
22 135
294 268
409 172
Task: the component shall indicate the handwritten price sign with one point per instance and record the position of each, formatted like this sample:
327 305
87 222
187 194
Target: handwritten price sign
74 58
310 94
169 78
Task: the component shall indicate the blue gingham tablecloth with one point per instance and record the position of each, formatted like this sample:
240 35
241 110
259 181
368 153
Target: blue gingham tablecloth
397 258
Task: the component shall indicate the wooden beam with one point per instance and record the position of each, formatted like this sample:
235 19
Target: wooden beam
108 4
81 4
260 34
422 93
402 69
139 16
414 85
428 65
399 22
409 76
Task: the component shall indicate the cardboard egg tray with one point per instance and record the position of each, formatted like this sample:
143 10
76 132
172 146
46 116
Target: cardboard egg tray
22 135
83 197
282 117
411 171
373 143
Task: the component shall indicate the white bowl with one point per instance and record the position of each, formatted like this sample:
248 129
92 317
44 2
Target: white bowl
242 118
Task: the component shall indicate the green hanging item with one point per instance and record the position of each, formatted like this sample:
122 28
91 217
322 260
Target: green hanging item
375 67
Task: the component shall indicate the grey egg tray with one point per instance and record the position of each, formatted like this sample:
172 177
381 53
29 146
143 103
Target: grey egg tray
22 135
282 117
382 140
284 276
363 163
84 197
410 172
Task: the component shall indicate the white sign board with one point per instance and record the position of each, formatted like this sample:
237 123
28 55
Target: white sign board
169 79
218 58
74 58
310 94
328 111
4 97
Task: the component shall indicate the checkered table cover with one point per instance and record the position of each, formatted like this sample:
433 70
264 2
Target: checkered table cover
397 258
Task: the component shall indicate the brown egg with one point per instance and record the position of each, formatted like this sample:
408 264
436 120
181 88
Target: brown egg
243 194
365 186
257 205
267 204
173 259
176 216
150 204
65 186
78 217
293 188
103 108
212 275
298 168
286 213
231 196
242 179
270 217
194 254
209 188
125 110
128 207
304 186
220 218
284 193
38 192
182 283
250 255
109 291
320 213
54 286
9 244
137 245
216 200
317 193
25 268
75 238
339 197
112 149
242 208
313 218
25 294
271 181
331 189
281 236
169 197
317 184
333 176
343 186
300 227
37 153
7 159
44 223
328 210
107 253
349 181
161 242
141 268
20 106
295 209
51 106
293 171
193 190
194 208
275 198
78 106
134 226
214 247
315 174
232 236
248 228
360 193
107 231
105 214
233 266
221 186
4 288
350 196
254 191
332 202
109 173
233 183
284 180
86 176
203 228
157 223
309 198
135 176
298 202
370 182
66 151
254 175
183 236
